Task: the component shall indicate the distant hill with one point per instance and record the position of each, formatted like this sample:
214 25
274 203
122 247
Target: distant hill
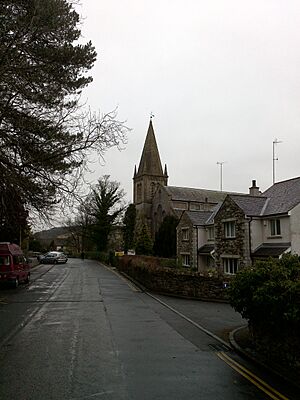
50 234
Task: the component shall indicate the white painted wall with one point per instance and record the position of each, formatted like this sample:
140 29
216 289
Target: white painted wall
202 240
256 227
295 229
285 231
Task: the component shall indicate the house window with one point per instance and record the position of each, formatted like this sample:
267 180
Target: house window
275 227
230 266
211 233
229 229
185 260
185 233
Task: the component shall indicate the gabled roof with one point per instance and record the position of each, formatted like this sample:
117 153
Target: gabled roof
150 163
198 217
197 195
251 205
216 208
283 196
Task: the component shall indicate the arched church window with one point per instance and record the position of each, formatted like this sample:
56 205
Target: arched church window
152 189
139 192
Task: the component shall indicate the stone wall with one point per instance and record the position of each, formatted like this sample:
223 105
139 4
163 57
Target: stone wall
186 246
173 281
237 246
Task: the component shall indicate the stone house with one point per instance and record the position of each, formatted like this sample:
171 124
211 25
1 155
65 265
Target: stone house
244 228
191 234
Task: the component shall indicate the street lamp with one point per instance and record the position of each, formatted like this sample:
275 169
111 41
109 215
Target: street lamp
221 173
275 141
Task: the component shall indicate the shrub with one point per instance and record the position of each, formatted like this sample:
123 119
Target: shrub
268 296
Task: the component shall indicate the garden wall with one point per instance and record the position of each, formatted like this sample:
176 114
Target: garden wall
172 281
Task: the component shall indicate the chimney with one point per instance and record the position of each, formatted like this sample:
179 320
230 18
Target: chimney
254 190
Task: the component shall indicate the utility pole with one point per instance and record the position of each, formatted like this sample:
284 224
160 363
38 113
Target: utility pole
275 141
221 173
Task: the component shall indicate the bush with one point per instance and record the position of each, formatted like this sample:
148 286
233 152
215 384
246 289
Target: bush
268 296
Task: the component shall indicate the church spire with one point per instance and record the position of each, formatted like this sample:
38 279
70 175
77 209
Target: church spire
150 163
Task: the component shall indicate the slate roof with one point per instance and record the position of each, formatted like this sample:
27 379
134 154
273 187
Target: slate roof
271 249
150 163
283 196
197 195
206 249
198 217
213 214
251 205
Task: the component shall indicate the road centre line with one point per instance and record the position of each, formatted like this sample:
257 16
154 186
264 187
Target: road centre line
255 380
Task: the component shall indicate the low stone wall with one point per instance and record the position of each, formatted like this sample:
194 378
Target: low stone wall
172 281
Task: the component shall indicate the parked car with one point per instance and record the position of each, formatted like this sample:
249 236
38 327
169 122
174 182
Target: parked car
40 256
14 267
54 257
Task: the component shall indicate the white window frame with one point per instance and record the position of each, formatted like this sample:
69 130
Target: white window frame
185 233
186 259
230 266
275 227
229 229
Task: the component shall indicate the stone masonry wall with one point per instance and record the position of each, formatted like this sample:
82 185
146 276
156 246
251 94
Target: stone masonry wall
173 281
186 246
237 246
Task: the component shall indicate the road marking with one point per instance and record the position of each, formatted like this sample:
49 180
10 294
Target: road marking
227 346
255 380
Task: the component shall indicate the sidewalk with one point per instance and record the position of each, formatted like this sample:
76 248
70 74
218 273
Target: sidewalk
241 342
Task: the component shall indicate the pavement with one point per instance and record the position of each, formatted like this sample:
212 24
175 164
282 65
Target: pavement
241 342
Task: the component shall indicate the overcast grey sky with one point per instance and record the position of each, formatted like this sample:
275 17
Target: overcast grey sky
222 78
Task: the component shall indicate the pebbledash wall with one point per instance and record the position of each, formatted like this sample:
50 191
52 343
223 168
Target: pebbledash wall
173 281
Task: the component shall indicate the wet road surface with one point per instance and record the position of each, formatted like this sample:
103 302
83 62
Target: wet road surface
80 331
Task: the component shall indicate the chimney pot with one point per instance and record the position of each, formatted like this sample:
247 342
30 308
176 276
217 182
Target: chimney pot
254 190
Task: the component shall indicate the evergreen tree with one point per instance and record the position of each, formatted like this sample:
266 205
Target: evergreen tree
165 238
143 240
128 228
44 134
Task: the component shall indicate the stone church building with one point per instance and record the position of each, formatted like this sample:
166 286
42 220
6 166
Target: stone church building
219 230
152 196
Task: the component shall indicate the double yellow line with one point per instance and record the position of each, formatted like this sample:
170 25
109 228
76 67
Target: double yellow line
259 383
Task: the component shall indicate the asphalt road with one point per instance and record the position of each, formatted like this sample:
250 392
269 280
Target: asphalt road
80 331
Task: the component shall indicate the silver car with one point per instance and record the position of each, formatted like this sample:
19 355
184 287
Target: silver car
54 257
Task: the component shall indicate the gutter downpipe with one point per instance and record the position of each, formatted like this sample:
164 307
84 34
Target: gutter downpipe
197 250
249 232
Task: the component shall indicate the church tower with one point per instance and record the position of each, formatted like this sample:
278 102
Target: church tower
148 176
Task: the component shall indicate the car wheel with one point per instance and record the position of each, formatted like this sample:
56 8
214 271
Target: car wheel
15 283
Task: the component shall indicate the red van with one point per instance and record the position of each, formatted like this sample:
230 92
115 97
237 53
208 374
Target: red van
14 267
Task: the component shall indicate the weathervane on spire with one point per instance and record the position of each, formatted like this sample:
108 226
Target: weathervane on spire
151 115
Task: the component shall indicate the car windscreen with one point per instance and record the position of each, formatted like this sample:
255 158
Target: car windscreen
4 260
